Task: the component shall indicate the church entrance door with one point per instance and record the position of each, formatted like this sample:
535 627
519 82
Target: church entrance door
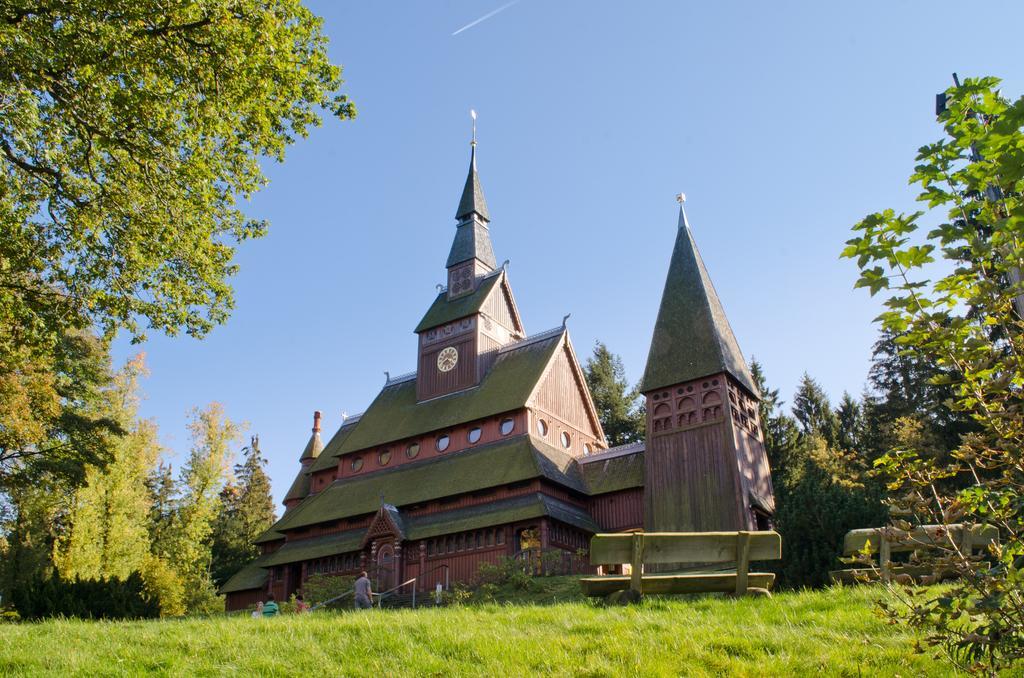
385 568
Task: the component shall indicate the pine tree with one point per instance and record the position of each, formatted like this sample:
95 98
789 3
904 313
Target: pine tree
813 412
163 498
247 510
107 533
616 403
780 430
850 419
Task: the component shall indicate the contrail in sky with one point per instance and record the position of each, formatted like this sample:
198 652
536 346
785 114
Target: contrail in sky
485 17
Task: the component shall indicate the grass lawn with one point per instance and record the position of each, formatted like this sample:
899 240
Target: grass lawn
833 632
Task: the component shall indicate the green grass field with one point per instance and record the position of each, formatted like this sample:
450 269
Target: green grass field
832 632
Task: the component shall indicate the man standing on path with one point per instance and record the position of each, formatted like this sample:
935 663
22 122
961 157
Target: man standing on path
364 600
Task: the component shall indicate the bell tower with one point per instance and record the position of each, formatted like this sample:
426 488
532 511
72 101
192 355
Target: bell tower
706 467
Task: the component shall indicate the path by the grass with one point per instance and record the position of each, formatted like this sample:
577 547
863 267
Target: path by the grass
830 633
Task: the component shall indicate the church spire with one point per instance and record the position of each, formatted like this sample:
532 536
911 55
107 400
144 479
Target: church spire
692 337
472 237
472 201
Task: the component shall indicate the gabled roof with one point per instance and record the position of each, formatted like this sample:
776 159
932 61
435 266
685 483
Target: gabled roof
513 460
692 337
472 201
444 310
396 414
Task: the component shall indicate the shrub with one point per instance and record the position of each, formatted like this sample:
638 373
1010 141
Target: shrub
113 598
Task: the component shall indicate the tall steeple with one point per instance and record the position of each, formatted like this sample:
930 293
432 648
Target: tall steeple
692 337
705 462
472 254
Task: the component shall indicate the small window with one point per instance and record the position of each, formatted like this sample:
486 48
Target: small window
566 440
412 451
586 448
507 425
384 457
474 434
442 443
501 536
542 427
357 463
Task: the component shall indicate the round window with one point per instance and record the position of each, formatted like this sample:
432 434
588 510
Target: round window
412 450
542 427
474 434
586 448
384 457
442 443
357 463
507 425
566 441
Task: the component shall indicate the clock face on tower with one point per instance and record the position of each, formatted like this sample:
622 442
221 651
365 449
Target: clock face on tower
447 359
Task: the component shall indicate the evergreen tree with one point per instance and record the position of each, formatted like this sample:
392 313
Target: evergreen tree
107 532
850 419
779 430
163 498
813 412
247 510
616 403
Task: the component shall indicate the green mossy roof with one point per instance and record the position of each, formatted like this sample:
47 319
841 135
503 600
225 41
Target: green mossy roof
499 513
614 473
317 547
300 486
327 458
692 337
395 414
444 311
269 535
252 576
493 465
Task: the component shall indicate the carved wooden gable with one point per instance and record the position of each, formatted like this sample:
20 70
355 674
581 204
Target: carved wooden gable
386 524
563 392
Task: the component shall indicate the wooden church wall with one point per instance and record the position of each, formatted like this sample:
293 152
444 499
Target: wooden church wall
691 481
619 511
560 398
432 382
498 308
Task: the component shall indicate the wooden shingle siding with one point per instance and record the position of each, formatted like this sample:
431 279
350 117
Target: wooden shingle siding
619 511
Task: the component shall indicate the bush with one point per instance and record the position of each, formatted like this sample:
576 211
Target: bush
163 586
320 588
113 598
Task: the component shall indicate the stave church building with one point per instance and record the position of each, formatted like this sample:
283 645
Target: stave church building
493 447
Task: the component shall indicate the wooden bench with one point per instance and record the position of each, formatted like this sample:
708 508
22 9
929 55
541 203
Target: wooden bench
709 548
888 540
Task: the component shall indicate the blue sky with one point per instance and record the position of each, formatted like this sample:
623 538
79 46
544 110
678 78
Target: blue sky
783 122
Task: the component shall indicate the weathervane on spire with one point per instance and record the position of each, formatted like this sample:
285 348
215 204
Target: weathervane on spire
680 198
472 114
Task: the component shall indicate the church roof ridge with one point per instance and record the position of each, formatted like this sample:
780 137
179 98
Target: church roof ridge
408 376
617 451
532 339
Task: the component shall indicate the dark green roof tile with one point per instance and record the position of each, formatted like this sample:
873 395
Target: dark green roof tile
612 473
444 310
252 576
498 513
327 458
692 337
316 547
508 461
472 241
